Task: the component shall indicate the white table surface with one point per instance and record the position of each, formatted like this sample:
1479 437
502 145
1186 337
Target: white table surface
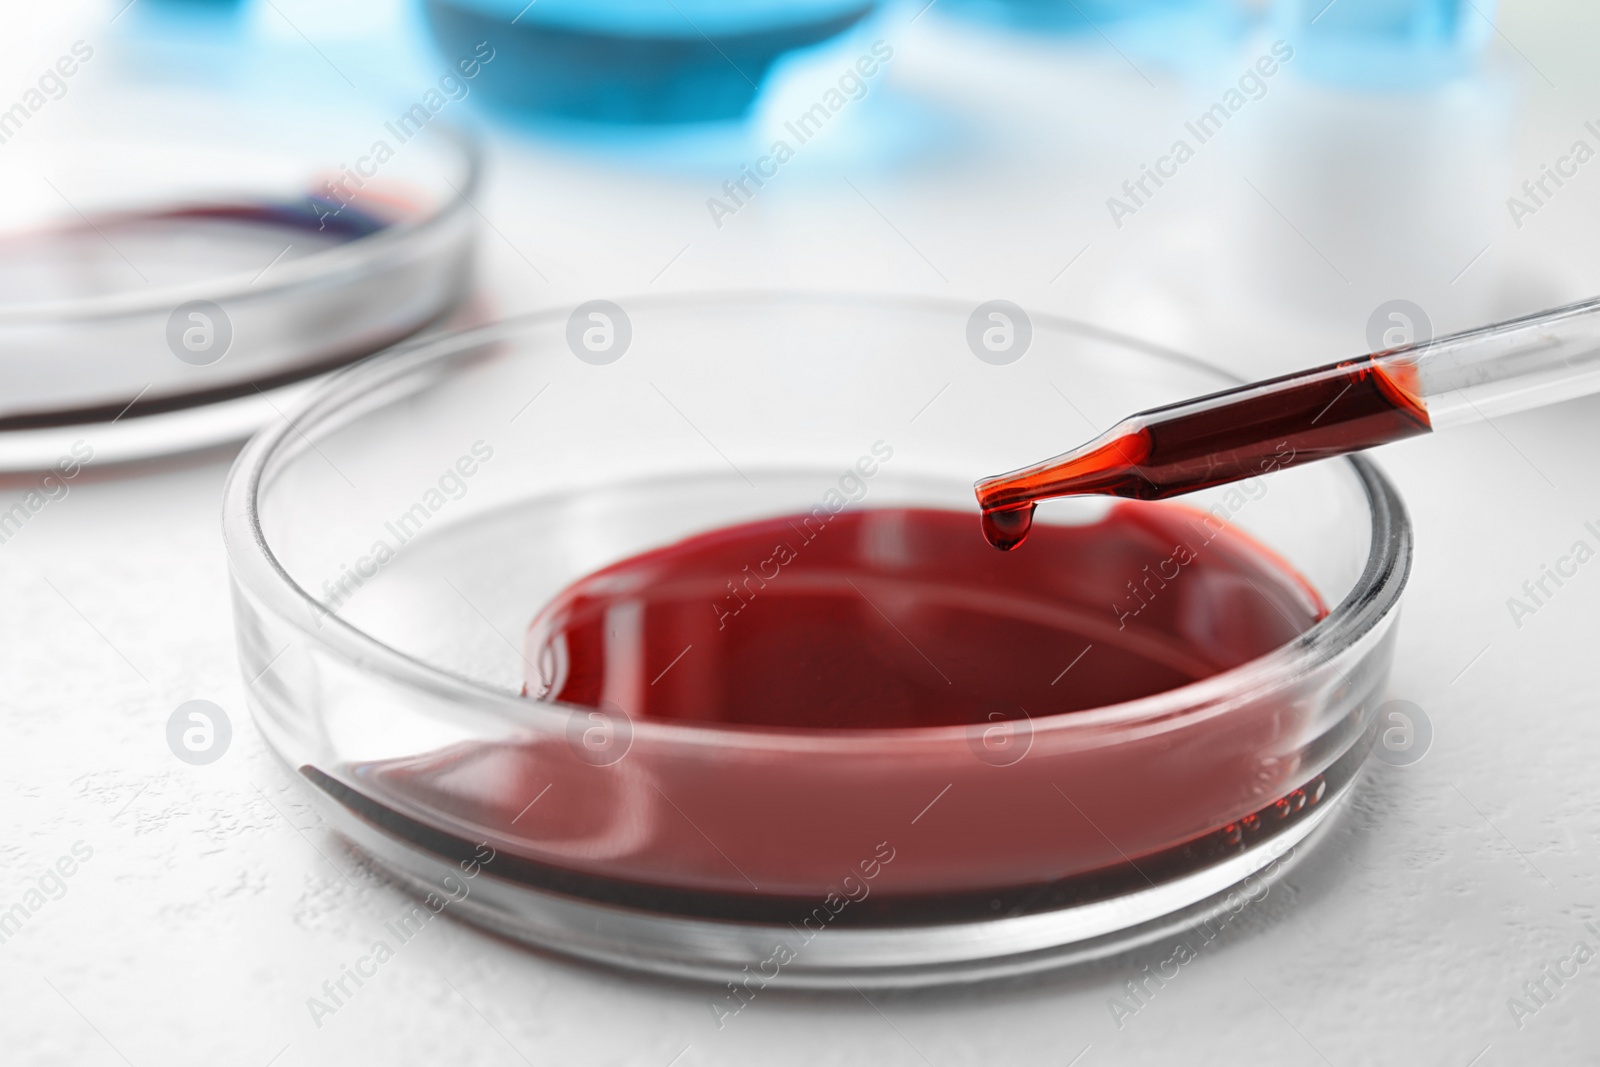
215 902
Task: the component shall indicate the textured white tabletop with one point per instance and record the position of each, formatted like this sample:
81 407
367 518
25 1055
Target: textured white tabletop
205 905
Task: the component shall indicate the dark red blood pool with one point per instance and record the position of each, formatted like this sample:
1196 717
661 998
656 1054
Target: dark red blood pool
757 713
894 618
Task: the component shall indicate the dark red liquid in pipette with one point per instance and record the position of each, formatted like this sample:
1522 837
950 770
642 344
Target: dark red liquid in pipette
901 618
1240 433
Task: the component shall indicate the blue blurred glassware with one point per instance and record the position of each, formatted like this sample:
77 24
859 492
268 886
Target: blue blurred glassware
1385 43
1064 16
642 61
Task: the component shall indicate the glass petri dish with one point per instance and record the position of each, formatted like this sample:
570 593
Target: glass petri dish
391 544
172 264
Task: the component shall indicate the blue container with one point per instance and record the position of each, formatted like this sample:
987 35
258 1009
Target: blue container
1385 43
641 61
1064 16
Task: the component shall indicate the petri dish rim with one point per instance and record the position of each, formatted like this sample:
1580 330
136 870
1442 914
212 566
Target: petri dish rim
297 273
1373 597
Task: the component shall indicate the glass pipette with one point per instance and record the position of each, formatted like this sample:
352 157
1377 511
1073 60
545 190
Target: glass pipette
1313 414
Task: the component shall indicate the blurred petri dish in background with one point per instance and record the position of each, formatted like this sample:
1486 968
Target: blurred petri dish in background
634 61
169 261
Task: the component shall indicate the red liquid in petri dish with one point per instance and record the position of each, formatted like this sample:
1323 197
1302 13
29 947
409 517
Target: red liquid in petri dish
844 640
887 619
